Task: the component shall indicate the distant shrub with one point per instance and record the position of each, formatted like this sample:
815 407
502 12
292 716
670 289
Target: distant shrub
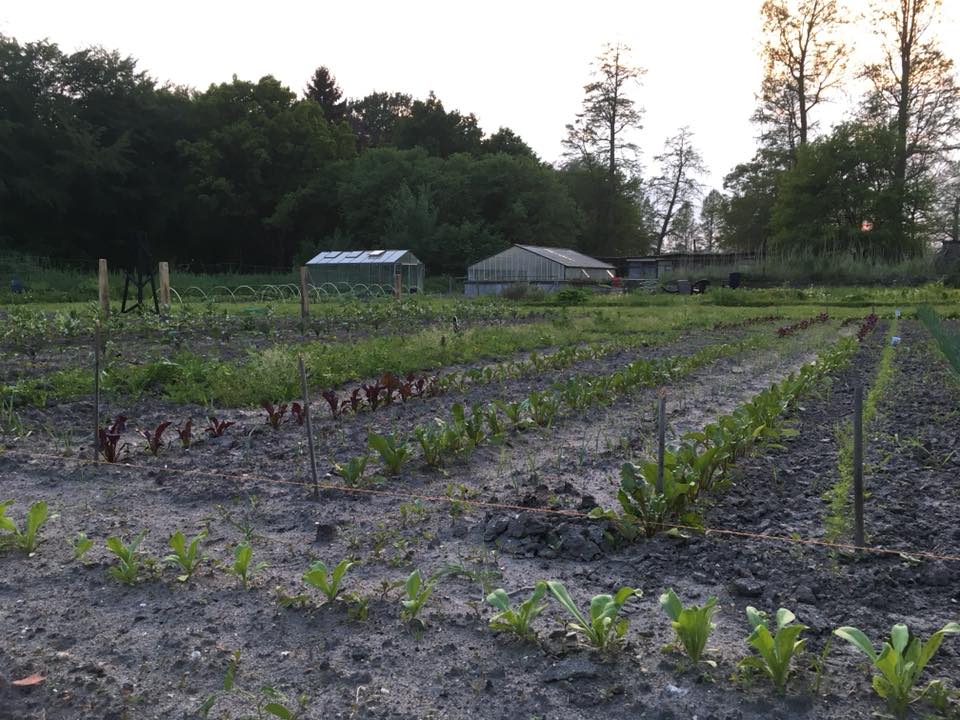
571 296
522 291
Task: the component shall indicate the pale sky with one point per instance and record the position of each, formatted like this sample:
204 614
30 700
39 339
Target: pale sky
521 64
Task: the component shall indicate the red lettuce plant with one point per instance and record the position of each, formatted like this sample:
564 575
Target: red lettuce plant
297 412
869 323
216 428
185 432
154 437
336 405
274 414
109 436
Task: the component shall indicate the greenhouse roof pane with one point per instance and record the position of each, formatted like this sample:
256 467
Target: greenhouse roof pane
354 257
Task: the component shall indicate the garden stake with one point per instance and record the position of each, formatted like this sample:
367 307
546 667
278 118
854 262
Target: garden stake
304 297
858 465
96 393
306 418
661 434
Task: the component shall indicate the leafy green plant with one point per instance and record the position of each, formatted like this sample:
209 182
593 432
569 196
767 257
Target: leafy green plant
692 624
129 558
517 619
544 407
602 629
186 557
900 661
416 592
776 650
352 471
80 544
394 451
325 581
266 702
26 540
241 567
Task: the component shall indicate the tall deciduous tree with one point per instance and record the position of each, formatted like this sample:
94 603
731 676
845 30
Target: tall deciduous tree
323 90
915 90
375 117
804 61
680 165
712 218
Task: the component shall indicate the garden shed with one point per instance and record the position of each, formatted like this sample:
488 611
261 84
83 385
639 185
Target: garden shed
542 267
367 271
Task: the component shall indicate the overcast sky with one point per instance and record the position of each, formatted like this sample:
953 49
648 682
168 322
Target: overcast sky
520 64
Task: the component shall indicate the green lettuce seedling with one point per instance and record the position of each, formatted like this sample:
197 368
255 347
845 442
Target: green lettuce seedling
417 592
517 619
692 624
394 451
776 650
129 558
80 544
241 567
326 582
186 557
602 629
900 661
27 541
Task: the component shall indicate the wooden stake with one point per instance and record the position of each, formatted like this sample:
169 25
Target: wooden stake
306 418
858 538
398 285
165 285
661 436
104 284
304 295
96 393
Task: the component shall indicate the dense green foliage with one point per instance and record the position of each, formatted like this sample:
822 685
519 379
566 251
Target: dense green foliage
245 173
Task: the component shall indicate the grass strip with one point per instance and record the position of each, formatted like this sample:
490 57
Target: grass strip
948 341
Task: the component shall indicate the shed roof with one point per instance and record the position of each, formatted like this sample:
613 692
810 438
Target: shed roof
567 257
354 257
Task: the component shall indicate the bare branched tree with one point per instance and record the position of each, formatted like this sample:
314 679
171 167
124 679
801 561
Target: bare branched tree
804 61
680 165
601 131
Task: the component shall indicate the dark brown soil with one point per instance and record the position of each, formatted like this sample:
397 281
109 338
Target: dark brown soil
156 649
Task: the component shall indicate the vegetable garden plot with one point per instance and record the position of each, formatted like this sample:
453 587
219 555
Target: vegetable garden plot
160 647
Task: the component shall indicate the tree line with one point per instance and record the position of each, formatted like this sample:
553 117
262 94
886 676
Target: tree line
94 150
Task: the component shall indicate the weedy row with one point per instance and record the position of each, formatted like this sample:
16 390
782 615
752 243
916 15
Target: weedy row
802 325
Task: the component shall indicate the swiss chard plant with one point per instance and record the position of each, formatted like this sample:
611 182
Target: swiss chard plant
27 539
692 625
777 649
109 440
326 581
393 450
352 471
129 558
900 662
336 406
186 556
275 414
154 437
80 544
241 567
601 629
517 619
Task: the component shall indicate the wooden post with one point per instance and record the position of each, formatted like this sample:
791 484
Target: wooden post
165 285
104 283
309 422
96 393
398 285
661 435
304 294
858 538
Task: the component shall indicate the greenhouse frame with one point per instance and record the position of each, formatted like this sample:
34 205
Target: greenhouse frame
366 271
542 267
